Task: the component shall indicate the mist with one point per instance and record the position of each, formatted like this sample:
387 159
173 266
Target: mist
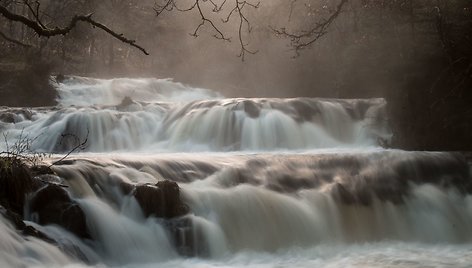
204 61
218 133
343 63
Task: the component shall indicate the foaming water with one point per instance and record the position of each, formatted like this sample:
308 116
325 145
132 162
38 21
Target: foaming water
82 91
17 251
372 255
269 210
268 182
217 125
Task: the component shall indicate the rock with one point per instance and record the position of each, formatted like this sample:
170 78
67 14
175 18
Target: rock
42 170
43 180
181 232
15 183
125 102
125 187
20 225
251 109
188 237
43 175
53 205
341 194
161 200
7 117
13 217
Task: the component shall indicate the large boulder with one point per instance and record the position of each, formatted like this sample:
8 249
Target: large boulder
53 205
161 200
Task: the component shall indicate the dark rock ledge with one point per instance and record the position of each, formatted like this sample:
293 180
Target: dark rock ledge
51 203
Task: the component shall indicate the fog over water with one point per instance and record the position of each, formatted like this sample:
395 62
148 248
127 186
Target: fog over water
341 64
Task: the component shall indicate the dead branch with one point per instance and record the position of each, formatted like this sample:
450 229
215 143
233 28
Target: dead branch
42 30
303 39
237 9
80 145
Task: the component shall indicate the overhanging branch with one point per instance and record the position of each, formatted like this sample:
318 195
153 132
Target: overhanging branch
42 30
236 9
304 39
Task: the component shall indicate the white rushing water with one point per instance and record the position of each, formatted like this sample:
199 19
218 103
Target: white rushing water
159 115
269 182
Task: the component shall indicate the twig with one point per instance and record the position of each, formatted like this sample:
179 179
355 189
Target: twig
236 9
305 38
79 146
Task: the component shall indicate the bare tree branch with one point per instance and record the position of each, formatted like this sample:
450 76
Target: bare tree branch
236 9
243 20
305 38
34 11
42 30
79 145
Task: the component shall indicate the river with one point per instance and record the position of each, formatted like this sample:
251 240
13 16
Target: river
299 182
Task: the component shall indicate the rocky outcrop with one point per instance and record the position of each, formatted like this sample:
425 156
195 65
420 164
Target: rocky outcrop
15 183
53 205
20 225
161 200
50 201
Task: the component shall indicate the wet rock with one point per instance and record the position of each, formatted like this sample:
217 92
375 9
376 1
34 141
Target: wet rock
15 183
181 234
7 118
251 109
125 187
43 175
305 111
161 200
20 225
343 195
187 237
45 179
125 103
288 183
53 205
42 170
31 231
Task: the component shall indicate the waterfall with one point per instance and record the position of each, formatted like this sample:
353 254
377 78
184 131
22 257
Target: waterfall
263 182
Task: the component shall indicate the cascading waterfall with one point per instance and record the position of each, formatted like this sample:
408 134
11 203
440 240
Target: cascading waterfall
264 182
